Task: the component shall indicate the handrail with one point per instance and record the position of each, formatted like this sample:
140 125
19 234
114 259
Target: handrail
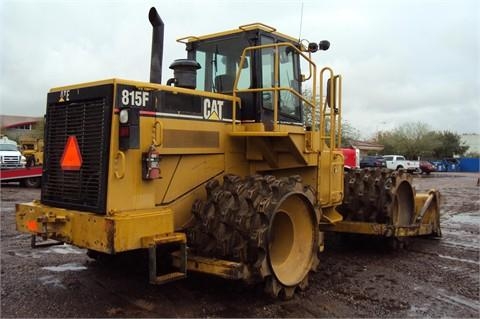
332 109
331 131
256 25
276 88
187 39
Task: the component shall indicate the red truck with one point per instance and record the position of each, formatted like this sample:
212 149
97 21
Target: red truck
352 158
29 176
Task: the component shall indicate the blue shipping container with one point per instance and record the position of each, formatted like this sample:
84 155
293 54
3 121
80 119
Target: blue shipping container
451 164
468 164
439 166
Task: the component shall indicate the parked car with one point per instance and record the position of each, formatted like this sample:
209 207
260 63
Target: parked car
427 167
373 161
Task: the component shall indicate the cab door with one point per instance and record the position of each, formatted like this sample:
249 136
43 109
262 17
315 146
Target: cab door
288 104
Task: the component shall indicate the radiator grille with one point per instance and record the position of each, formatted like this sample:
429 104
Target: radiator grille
89 121
10 161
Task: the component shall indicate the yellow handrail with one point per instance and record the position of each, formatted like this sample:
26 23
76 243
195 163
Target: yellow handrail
276 88
332 133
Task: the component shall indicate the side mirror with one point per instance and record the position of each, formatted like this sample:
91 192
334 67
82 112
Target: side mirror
324 45
312 47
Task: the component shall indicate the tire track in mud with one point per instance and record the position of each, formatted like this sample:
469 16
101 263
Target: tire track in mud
456 256
436 301
431 278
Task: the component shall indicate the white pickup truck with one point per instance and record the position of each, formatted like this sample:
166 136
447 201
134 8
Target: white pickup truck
399 161
10 156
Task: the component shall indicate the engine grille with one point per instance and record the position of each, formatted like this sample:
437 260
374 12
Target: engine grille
10 162
89 121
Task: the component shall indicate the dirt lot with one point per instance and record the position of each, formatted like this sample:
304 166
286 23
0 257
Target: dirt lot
430 278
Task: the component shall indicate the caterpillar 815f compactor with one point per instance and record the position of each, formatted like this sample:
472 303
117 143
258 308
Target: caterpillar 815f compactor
219 170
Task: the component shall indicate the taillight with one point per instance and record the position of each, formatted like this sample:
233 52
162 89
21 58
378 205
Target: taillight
129 129
124 131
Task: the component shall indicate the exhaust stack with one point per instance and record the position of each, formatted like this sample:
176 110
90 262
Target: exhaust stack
157 46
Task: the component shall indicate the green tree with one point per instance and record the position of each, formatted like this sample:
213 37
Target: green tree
307 110
413 140
450 144
417 140
349 132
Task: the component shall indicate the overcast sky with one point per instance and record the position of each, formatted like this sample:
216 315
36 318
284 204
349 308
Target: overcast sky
401 61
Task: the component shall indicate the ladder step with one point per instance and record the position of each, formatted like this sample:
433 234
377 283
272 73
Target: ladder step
169 277
180 273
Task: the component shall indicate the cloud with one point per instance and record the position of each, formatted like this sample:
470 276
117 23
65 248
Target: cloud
400 60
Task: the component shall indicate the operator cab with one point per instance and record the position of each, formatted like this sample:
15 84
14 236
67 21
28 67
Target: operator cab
219 56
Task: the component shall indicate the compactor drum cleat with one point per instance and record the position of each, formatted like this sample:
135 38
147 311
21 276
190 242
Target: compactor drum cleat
266 223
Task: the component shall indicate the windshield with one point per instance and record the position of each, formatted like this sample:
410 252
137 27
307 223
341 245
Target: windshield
274 69
219 61
8 147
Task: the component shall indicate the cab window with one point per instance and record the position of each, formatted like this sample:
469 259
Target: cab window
289 103
219 63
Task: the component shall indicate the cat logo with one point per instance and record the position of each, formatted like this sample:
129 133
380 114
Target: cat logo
64 96
212 109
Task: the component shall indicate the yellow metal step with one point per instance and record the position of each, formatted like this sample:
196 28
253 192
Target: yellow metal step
163 279
152 242
218 267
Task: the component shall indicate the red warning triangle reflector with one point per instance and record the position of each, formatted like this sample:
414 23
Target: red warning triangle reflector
71 158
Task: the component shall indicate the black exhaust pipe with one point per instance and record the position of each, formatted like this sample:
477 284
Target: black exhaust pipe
157 46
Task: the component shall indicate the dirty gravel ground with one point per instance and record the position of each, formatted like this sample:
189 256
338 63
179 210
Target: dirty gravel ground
430 278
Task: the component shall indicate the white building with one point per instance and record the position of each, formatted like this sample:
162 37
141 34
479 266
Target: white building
473 141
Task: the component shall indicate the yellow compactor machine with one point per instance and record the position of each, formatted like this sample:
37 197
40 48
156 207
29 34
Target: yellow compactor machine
227 169
32 149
